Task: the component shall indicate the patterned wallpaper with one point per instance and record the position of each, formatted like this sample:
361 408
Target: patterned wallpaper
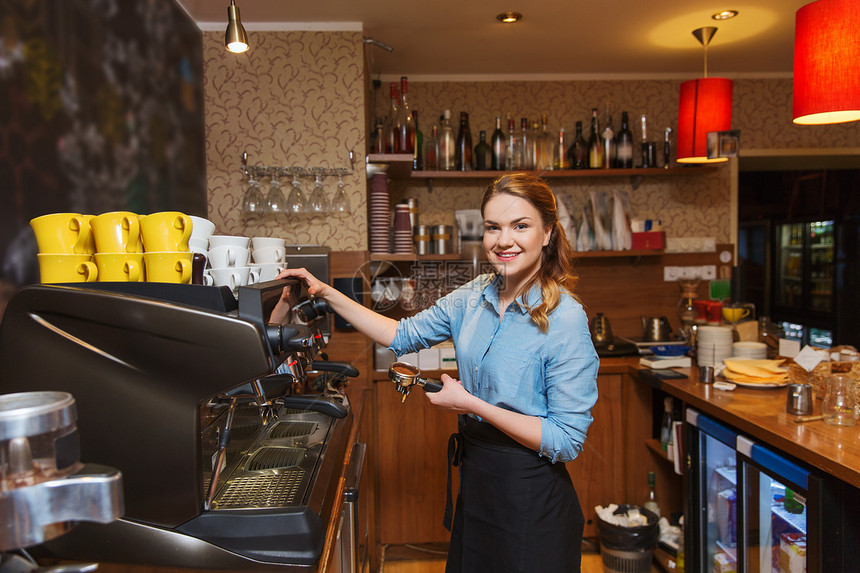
293 99
299 98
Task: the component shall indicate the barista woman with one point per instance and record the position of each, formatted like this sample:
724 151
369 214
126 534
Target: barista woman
529 373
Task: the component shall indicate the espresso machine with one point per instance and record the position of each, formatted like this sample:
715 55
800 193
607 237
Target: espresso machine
221 412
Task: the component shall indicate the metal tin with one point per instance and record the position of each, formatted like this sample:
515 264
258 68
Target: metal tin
443 239
413 211
422 240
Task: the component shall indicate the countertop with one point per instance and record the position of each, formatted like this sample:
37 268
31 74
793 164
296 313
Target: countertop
760 413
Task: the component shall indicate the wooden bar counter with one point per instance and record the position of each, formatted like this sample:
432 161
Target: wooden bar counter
761 414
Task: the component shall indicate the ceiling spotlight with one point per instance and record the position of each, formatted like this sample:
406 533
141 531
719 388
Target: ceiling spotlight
509 17
725 15
235 38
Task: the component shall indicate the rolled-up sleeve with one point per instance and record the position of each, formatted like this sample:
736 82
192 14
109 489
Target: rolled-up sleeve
571 386
423 330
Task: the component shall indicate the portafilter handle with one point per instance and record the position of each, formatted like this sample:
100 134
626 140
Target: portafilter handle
405 376
312 308
285 338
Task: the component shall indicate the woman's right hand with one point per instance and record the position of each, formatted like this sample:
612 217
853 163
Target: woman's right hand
315 286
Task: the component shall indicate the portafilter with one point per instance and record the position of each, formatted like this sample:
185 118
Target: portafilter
405 376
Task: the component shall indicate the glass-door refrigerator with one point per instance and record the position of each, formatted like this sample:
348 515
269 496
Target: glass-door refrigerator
805 280
751 509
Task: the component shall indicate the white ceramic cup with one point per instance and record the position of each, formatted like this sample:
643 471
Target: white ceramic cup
198 245
233 277
201 228
267 242
224 257
268 271
268 255
229 241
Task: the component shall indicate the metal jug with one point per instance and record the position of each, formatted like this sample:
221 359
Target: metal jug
601 332
655 329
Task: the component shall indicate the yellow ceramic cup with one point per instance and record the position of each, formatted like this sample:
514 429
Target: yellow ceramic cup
63 268
168 267
91 239
116 232
61 233
120 267
165 231
733 314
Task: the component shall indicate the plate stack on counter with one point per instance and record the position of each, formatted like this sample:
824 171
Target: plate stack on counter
714 345
749 349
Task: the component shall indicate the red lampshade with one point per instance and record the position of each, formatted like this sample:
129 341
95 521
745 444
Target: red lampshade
827 62
705 106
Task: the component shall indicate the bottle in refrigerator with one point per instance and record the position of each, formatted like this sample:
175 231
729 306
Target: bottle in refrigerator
666 437
595 143
483 153
404 123
624 144
499 147
464 144
577 153
651 502
447 157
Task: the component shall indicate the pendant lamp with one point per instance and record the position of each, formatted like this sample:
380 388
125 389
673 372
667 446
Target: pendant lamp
827 62
705 105
235 38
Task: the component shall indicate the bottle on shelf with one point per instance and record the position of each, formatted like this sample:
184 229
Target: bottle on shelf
377 144
651 502
511 161
499 147
595 143
560 151
577 153
483 153
390 130
624 144
666 438
533 150
649 148
418 152
544 157
608 142
404 124
447 157
464 144
431 150
525 142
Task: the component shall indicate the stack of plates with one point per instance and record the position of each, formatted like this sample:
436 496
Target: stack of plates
754 350
402 229
714 345
379 214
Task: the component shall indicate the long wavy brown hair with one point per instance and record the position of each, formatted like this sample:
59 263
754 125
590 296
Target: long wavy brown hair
556 272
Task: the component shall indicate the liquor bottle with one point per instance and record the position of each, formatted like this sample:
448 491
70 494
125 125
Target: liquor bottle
377 144
431 150
577 153
404 123
447 157
608 142
534 149
595 144
390 131
543 157
649 148
525 141
483 153
559 158
514 160
624 144
418 152
464 144
666 424
499 147
651 500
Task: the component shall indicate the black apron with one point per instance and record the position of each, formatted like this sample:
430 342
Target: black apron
516 511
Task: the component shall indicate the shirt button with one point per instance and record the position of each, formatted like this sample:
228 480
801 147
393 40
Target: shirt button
476 368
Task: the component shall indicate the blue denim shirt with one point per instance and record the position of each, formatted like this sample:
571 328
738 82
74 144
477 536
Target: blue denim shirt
510 363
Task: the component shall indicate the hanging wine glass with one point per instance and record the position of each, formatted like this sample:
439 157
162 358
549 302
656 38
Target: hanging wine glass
340 202
275 201
296 200
318 202
253 203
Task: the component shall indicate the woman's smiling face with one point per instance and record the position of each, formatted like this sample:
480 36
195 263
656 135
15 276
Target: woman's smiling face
514 237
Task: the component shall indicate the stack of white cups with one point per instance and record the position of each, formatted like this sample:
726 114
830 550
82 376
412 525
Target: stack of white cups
228 257
749 349
268 257
201 230
714 345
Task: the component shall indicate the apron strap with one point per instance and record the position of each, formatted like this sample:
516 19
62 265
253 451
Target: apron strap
455 451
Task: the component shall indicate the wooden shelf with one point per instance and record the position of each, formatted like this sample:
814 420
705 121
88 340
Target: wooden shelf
654 446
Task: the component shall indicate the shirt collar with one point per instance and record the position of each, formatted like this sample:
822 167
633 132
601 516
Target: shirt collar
491 295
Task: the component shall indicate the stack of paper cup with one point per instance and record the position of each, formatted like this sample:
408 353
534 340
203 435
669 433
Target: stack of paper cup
714 345
380 215
748 349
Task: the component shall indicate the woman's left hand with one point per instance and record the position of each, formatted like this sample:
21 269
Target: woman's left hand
452 397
